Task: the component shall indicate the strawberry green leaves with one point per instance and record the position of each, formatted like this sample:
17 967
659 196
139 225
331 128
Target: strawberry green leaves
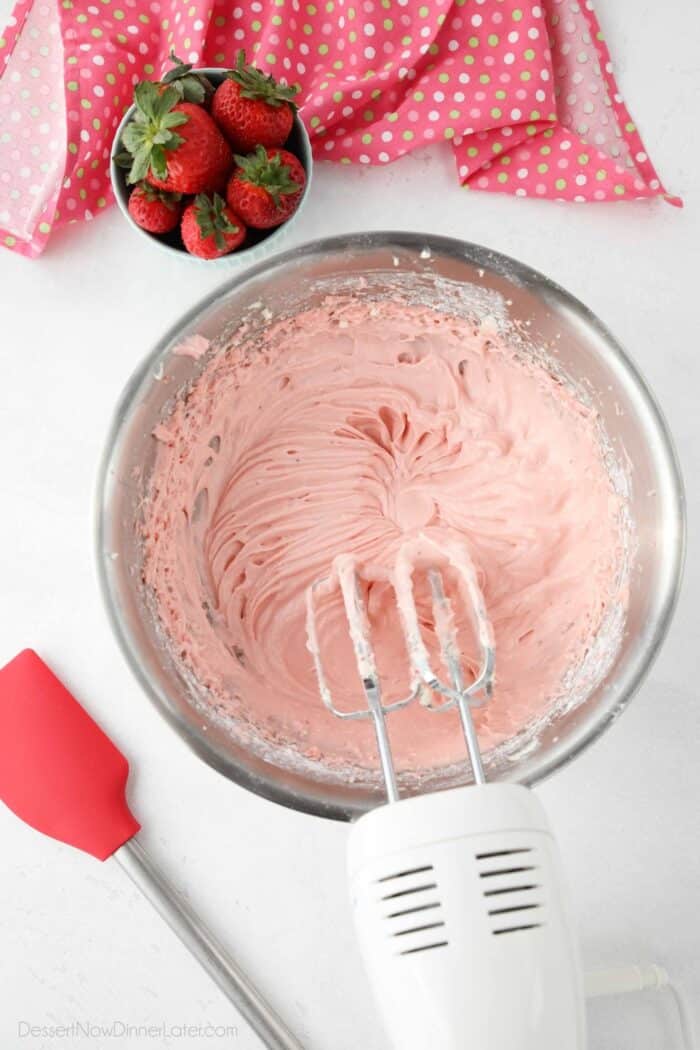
150 134
212 219
269 172
255 84
193 87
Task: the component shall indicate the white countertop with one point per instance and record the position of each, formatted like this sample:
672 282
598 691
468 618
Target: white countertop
77 941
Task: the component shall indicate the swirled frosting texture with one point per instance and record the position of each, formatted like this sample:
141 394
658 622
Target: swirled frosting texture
348 429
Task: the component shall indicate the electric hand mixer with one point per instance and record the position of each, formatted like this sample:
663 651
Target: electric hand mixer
458 898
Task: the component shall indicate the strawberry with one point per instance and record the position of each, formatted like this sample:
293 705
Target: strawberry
192 159
210 229
266 187
154 210
252 109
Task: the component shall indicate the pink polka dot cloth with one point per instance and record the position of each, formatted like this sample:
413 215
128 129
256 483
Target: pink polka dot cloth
523 92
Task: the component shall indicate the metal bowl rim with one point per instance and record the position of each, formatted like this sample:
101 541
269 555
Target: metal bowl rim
514 271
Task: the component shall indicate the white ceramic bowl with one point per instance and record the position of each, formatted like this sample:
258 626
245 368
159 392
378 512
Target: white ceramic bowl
261 241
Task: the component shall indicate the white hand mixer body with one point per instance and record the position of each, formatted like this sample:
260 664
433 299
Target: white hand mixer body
458 897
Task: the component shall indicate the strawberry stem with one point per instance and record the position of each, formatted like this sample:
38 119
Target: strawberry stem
270 173
212 218
258 85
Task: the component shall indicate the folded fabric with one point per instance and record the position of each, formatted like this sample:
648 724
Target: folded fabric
523 92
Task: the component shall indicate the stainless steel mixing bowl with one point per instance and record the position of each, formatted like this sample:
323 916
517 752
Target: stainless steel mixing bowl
286 283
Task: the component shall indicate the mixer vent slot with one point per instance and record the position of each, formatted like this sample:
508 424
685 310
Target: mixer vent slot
510 889
414 911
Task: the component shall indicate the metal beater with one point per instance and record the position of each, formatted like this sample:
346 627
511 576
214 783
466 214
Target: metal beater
414 553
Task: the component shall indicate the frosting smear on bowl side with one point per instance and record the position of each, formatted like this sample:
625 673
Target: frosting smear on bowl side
348 429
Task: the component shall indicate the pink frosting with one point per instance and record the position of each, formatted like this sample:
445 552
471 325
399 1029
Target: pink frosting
350 428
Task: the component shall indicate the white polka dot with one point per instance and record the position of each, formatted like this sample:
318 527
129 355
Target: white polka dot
384 157
369 29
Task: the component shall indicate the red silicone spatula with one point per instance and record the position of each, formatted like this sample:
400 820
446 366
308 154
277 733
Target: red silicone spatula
63 776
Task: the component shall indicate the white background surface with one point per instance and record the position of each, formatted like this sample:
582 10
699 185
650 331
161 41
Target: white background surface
76 941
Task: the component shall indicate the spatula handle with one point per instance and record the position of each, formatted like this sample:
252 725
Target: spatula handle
206 949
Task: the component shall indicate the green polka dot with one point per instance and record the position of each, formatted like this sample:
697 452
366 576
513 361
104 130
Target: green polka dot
408 135
10 241
549 132
629 126
419 95
81 18
352 36
367 138
219 57
406 40
472 151
492 40
376 94
433 49
330 6
122 39
121 67
44 227
525 75
144 18
337 96
517 14
72 85
497 147
72 148
560 184
583 158
500 94
496 112
440 19
82 194
388 24
96 123
535 114
311 9
542 168
618 189
473 41
392 117
86 103
119 15
315 121
504 160
545 150
256 26
3 42
600 174
484 78
469 60
148 68
449 133
34 111
187 42
339 65
454 114
444 78
351 13
368 115
345 160
277 20
529 54
424 11
218 21
502 176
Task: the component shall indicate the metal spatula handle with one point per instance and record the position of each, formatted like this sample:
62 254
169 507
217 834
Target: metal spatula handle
180 917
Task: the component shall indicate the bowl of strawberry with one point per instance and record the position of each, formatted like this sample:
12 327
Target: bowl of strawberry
211 163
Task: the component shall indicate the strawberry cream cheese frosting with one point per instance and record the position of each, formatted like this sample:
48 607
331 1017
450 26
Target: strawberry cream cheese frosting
350 429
